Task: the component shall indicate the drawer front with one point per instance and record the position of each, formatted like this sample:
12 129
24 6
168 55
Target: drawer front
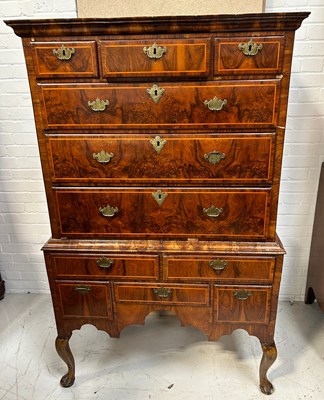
189 295
85 299
213 213
241 159
243 304
65 59
212 267
102 266
247 55
241 104
155 57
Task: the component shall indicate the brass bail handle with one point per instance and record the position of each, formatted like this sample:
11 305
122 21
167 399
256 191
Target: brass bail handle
212 211
82 289
108 211
214 157
242 294
98 105
162 292
218 264
104 262
103 156
215 104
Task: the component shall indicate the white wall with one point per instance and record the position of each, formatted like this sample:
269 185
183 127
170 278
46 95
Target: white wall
24 224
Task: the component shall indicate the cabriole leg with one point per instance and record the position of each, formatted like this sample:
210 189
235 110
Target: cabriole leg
64 351
268 358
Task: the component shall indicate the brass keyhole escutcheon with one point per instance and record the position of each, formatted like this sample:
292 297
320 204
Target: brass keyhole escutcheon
155 92
155 52
158 143
63 53
250 48
159 196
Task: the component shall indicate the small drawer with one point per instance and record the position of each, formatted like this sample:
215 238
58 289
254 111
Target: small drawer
155 57
212 267
249 55
241 104
85 299
65 59
242 304
102 266
162 158
166 212
189 295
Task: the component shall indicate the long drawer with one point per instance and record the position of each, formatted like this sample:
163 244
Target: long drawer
187 105
187 295
106 265
239 159
181 212
213 267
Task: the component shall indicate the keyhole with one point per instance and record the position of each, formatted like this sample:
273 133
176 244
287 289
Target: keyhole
63 52
158 143
154 51
250 47
155 92
160 196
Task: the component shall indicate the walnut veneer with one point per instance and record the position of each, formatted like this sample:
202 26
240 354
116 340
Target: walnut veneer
161 145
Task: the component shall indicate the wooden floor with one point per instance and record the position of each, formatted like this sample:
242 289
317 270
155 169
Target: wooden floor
158 361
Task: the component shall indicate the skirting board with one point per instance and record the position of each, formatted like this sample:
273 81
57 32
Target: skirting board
121 8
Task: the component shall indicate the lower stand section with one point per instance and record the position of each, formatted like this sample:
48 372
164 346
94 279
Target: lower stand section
268 358
216 287
64 351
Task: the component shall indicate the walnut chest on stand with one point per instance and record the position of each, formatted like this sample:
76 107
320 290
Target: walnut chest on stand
161 145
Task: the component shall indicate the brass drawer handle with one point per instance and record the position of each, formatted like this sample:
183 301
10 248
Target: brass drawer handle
155 92
215 104
158 143
212 211
214 157
162 292
250 48
217 265
108 211
242 294
82 289
63 53
155 52
98 105
103 156
104 262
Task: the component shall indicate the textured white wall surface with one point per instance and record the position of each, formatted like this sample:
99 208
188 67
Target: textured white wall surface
24 224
